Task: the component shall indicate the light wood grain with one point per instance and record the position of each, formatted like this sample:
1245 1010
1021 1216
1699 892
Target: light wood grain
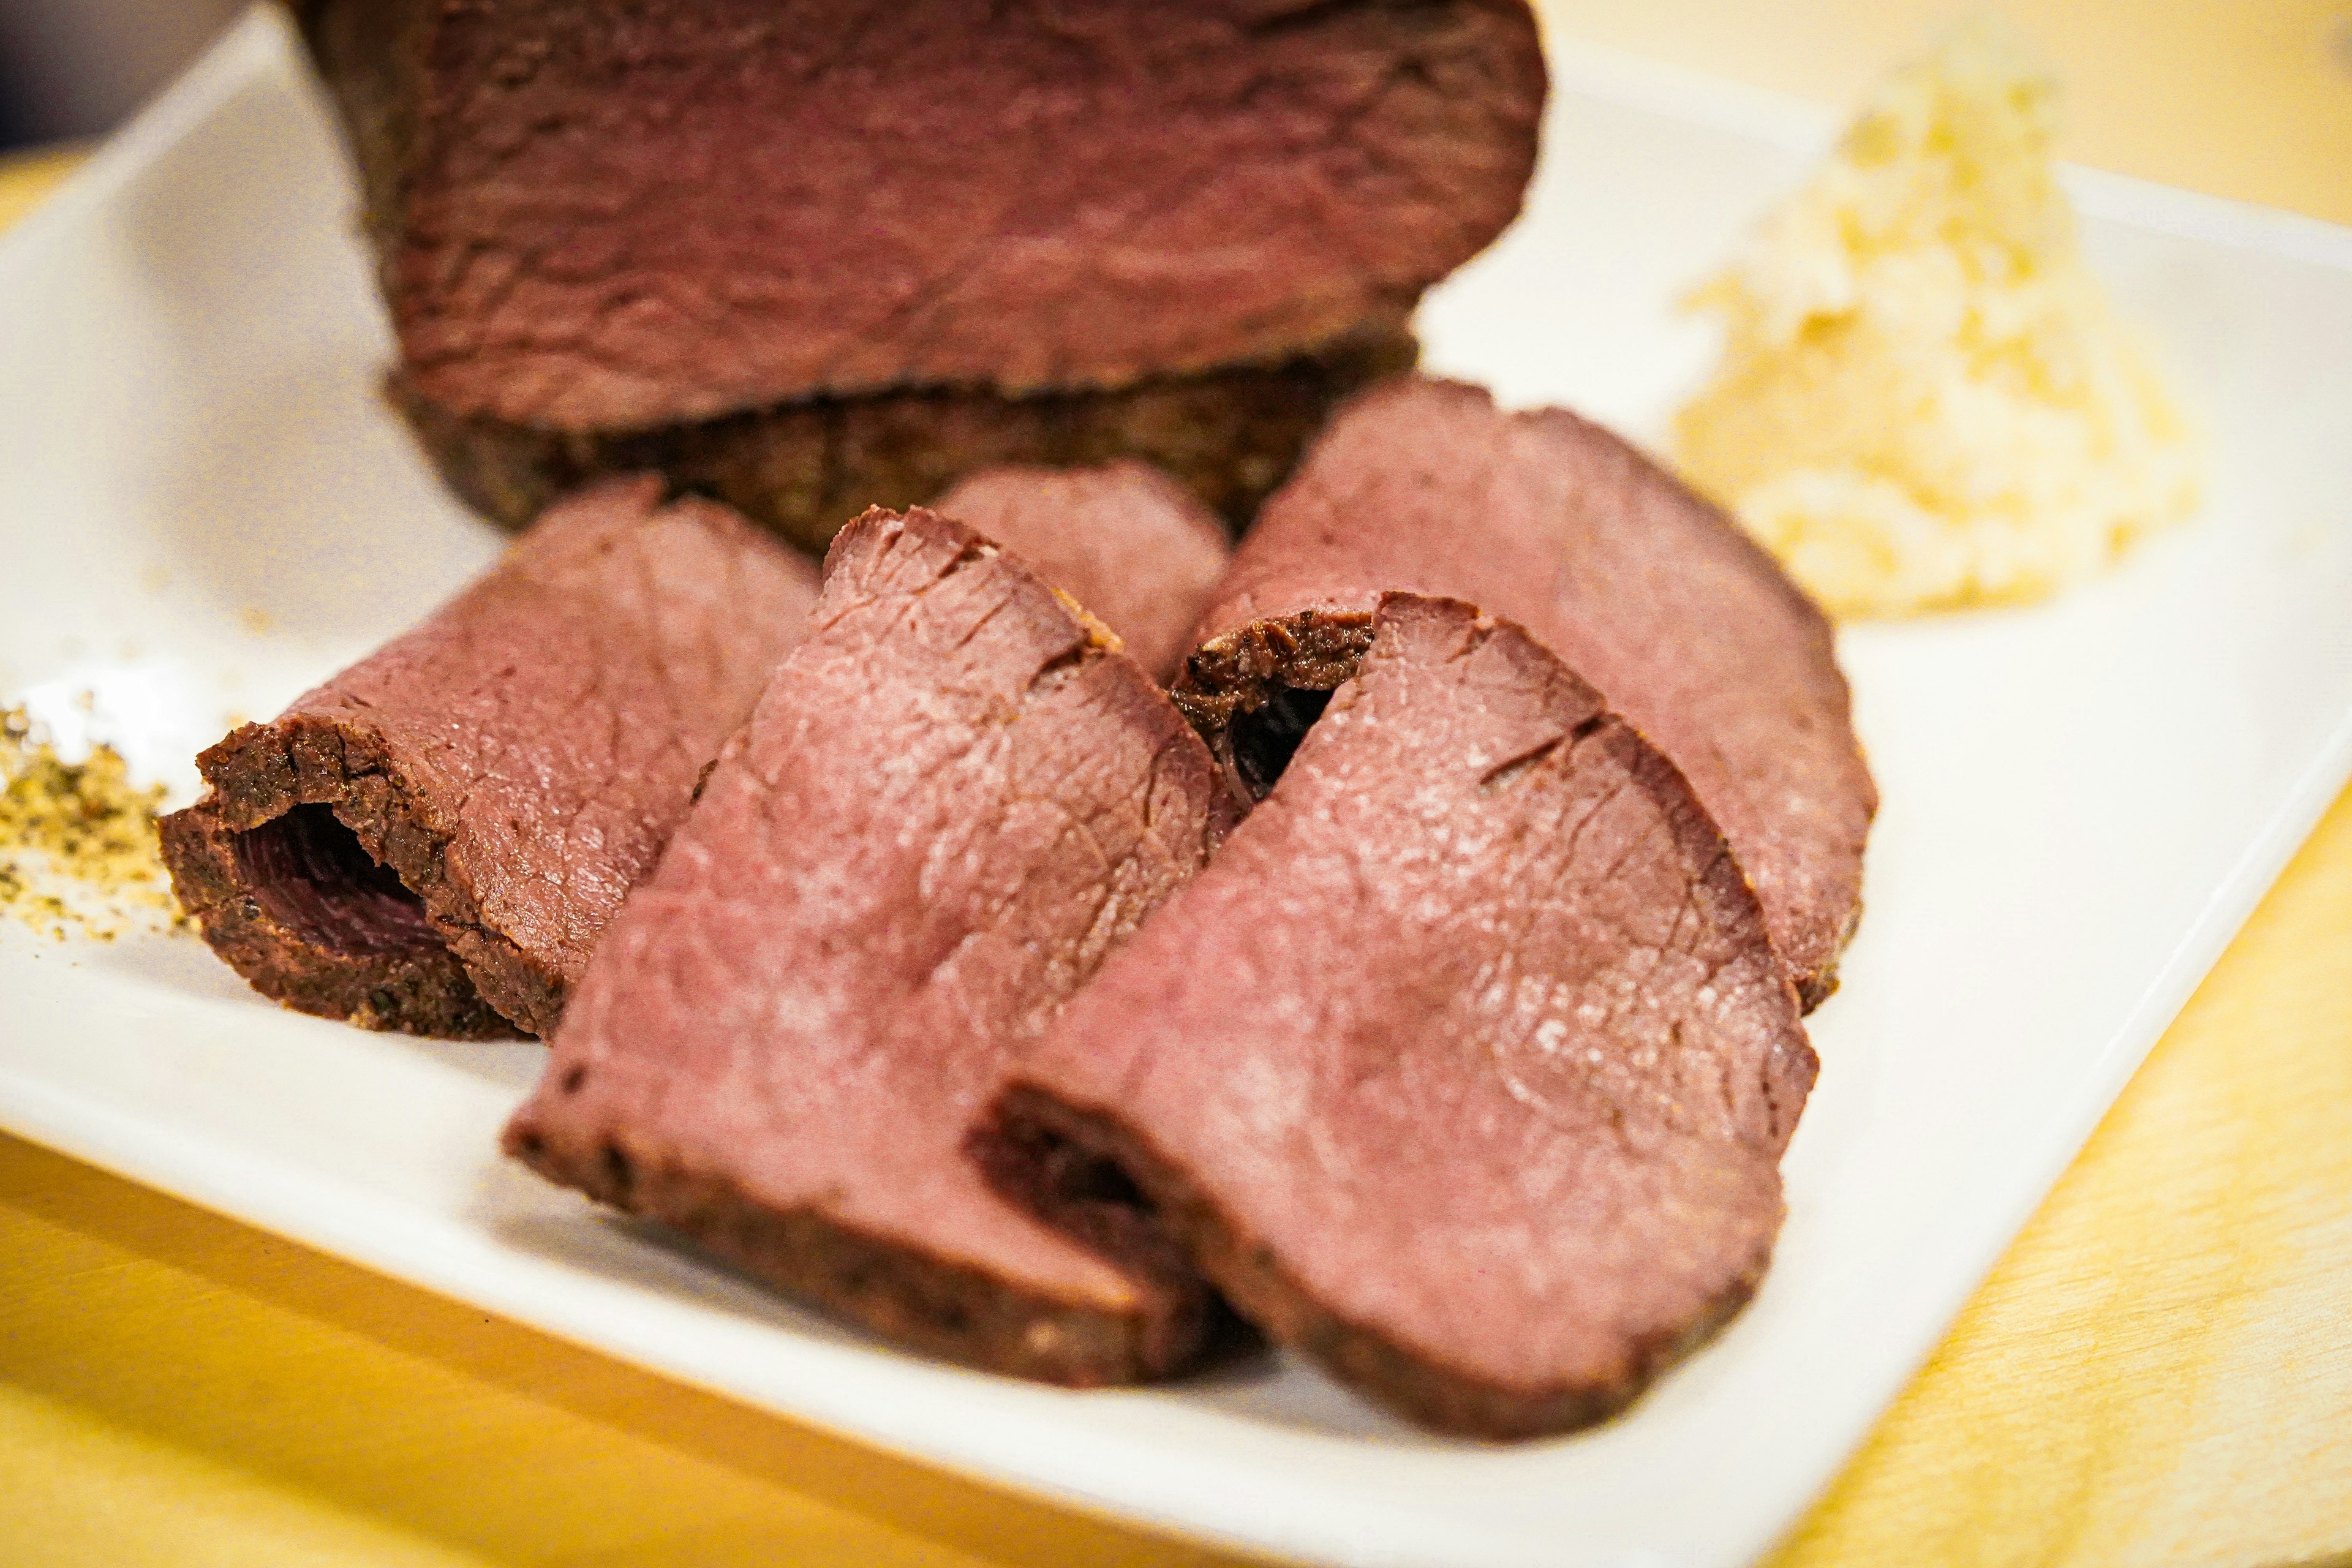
2158 1373
2160 1370
169 1378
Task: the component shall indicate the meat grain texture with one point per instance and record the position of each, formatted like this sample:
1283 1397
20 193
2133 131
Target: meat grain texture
435 839
1645 590
1465 1068
590 219
1123 539
953 802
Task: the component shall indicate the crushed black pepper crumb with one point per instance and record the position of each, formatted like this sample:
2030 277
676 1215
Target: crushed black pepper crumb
78 846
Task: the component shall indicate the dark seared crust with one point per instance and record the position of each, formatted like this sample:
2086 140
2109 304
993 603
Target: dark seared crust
261 772
1230 437
1178 1215
1228 676
1085 1194
933 1304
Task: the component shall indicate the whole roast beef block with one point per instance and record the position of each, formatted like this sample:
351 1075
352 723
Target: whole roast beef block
954 800
1123 539
433 840
1466 1067
599 217
1642 589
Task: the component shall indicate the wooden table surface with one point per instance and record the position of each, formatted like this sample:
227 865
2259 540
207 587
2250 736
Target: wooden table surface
2156 1374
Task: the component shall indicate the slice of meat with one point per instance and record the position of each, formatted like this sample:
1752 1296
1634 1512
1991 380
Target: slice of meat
1123 539
803 469
598 219
433 840
1467 1068
1643 589
952 802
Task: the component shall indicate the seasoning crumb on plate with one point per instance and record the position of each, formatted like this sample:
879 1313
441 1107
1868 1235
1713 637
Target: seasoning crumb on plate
77 847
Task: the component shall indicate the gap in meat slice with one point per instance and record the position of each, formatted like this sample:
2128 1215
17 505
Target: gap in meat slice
314 876
433 839
953 801
1263 739
1641 586
1465 1069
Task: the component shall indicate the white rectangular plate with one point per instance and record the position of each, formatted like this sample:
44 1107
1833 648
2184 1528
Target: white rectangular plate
206 510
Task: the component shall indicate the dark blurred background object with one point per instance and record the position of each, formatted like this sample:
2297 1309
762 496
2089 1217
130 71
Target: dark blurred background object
71 69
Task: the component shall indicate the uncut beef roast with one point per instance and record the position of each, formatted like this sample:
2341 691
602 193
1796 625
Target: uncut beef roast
1123 539
954 799
816 256
598 217
1642 589
432 840
803 467
1466 1067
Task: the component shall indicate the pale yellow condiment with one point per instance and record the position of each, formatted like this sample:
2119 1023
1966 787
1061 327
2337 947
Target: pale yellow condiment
1925 399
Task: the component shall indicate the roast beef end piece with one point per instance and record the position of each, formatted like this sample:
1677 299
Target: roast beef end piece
294 901
1492 1131
432 840
313 875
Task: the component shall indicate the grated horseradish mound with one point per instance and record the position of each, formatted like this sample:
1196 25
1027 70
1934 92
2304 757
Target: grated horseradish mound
1926 400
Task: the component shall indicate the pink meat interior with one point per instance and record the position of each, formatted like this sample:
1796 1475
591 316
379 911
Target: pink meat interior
310 873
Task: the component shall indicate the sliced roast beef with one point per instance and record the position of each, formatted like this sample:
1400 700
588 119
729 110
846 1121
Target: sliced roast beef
1123 539
803 469
1465 1069
600 218
952 802
1642 589
433 840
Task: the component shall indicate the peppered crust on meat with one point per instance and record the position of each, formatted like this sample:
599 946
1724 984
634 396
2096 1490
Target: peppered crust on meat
953 801
1226 435
322 909
432 840
1642 589
599 219
1465 1068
